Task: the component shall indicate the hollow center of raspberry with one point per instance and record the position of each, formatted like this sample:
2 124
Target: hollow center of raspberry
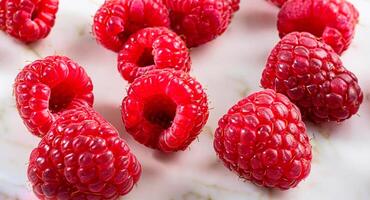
313 26
61 96
146 58
35 12
160 110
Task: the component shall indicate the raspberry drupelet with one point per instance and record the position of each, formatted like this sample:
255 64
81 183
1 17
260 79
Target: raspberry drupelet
165 109
152 48
333 21
46 87
312 75
278 3
28 20
82 157
116 20
263 139
199 21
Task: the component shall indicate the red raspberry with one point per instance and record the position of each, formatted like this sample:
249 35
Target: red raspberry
263 139
278 3
234 5
82 157
152 48
2 15
199 21
116 20
28 20
332 20
312 75
46 87
165 109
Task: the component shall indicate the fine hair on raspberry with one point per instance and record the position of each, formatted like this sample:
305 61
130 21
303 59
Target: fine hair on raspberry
263 139
333 21
165 109
312 75
152 48
116 20
82 157
28 20
48 86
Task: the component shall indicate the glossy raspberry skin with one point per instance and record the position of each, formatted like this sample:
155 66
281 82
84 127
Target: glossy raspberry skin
82 157
234 5
2 15
199 21
312 75
334 21
263 139
116 20
165 109
48 86
152 48
28 20
278 3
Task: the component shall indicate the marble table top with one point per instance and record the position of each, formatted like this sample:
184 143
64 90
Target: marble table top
230 68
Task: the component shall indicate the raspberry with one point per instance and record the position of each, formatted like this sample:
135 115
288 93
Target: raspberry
199 21
332 20
82 157
263 139
28 20
234 5
152 48
165 109
312 75
116 20
46 87
2 15
278 3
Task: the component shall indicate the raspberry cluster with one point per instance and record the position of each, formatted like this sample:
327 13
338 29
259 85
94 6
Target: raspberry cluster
28 20
80 155
262 138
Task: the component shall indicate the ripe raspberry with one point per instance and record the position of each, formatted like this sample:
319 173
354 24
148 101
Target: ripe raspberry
2 15
263 139
332 20
312 75
116 20
152 48
199 21
278 3
165 109
46 87
28 20
82 157
234 5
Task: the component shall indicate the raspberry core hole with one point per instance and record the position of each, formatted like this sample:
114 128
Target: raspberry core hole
35 12
160 110
60 98
146 58
314 26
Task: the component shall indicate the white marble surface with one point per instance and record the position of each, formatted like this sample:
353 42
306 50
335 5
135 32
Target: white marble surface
230 69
